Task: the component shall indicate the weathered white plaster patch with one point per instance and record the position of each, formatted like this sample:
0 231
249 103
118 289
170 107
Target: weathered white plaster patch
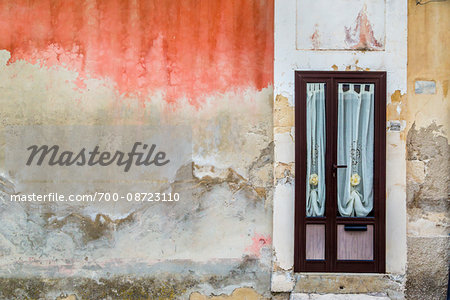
425 87
395 204
282 282
283 228
284 144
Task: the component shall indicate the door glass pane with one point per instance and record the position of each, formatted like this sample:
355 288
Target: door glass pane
355 149
315 144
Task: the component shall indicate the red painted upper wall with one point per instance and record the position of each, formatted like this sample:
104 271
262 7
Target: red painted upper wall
184 47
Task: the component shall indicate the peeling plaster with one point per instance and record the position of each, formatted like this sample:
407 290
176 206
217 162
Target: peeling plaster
216 239
396 108
238 294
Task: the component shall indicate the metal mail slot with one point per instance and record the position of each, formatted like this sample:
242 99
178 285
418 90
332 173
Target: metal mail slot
355 227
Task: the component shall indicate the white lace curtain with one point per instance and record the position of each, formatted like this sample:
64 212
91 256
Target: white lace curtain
315 140
355 149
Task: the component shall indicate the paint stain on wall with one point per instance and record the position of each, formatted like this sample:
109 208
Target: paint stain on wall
315 38
361 36
185 48
259 241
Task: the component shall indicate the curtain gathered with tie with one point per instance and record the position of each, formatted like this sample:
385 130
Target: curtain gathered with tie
315 140
355 149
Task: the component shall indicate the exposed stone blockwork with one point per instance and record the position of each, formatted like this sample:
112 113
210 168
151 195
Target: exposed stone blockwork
429 168
428 263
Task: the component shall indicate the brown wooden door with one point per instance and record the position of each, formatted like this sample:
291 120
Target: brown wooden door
340 171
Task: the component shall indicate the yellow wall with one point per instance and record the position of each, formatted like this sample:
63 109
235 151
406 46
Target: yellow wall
428 154
429 59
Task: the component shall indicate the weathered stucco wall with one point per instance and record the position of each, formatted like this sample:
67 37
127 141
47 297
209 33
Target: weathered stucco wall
205 65
428 155
208 66
366 56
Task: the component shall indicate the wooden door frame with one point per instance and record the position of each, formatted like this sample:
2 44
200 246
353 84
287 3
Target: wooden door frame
331 264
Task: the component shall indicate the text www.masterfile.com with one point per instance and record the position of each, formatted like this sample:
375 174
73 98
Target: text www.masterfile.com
97 196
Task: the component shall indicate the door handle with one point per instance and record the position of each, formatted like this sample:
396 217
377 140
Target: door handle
335 167
339 166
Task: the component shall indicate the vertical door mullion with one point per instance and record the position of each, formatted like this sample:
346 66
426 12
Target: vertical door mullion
333 182
329 176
